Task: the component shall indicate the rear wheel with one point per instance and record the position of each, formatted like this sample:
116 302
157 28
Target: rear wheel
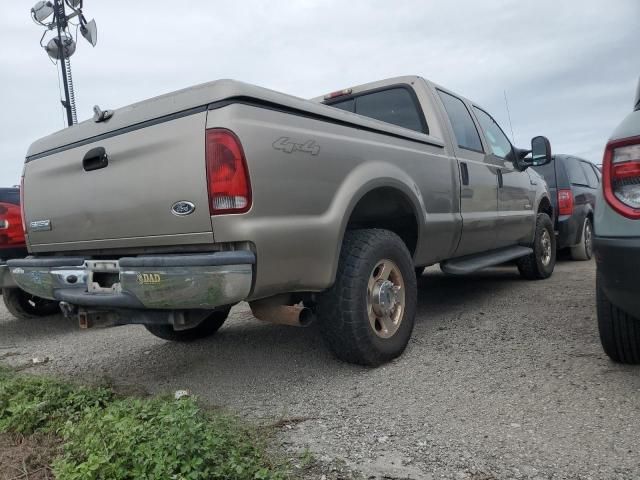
23 305
542 261
619 332
208 327
367 316
584 250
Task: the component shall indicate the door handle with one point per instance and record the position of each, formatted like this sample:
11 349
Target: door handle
95 159
500 180
464 172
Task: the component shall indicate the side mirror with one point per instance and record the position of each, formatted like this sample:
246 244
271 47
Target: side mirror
540 151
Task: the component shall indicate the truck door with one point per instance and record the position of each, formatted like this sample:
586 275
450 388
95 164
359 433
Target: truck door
516 215
478 179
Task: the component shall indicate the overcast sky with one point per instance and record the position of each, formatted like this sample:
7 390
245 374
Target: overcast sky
569 67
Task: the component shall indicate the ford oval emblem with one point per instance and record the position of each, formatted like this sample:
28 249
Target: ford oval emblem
183 208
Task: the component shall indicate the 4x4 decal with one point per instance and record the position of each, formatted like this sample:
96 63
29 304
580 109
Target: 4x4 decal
286 145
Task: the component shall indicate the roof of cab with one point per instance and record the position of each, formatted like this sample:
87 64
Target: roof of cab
200 97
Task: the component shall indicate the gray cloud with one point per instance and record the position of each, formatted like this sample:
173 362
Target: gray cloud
569 68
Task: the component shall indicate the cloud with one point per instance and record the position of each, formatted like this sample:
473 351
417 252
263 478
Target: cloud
569 68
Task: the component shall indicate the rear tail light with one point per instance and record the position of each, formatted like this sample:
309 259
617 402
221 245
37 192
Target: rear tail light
22 215
565 202
621 176
11 232
227 174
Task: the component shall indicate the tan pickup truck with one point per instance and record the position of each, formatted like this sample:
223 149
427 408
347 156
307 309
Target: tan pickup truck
169 211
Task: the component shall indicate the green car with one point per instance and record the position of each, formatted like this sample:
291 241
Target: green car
617 242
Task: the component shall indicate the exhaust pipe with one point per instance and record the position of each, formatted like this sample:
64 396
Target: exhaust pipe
293 315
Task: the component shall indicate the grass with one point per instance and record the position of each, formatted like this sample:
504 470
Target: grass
95 434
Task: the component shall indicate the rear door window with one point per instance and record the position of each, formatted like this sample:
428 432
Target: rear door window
10 195
592 178
575 171
464 129
598 173
548 172
393 105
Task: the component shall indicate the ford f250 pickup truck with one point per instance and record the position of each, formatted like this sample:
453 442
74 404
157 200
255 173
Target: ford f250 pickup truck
169 211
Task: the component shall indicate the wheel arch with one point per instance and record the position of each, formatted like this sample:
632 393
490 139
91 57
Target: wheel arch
545 206
402 212
588 214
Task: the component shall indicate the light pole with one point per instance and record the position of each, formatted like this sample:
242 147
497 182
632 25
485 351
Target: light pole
62 45
60 19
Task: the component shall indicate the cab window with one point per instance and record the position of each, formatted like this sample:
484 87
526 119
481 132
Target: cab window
392 105
348 105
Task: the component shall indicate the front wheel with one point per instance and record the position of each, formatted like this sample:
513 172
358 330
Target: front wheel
24 306
206 328
367 316
584 250
542 261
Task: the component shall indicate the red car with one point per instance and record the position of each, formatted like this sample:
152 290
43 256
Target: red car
12 245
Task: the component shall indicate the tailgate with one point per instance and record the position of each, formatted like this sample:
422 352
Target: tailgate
127 203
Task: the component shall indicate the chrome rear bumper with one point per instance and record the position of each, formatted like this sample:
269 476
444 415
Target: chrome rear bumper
202 281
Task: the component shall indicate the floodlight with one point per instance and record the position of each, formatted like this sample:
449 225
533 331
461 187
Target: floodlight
52 16
90 32
42 10
68 47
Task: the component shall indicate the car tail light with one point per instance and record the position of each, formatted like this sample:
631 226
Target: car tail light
621 176
565 202
227 174
11 231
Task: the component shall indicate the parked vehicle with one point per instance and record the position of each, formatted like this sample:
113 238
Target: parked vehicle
573 183
12 245
178 207
617 242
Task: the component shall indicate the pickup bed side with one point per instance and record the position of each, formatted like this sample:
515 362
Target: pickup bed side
303 202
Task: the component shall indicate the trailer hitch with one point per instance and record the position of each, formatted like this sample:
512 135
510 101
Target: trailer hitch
88 318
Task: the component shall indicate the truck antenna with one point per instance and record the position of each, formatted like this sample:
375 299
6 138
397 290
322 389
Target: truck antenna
506 102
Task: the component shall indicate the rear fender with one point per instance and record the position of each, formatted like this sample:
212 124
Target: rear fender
367 178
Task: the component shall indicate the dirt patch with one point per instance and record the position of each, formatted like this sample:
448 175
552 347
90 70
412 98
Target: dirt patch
27 457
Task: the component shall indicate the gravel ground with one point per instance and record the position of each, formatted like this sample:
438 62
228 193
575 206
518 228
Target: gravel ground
503 379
